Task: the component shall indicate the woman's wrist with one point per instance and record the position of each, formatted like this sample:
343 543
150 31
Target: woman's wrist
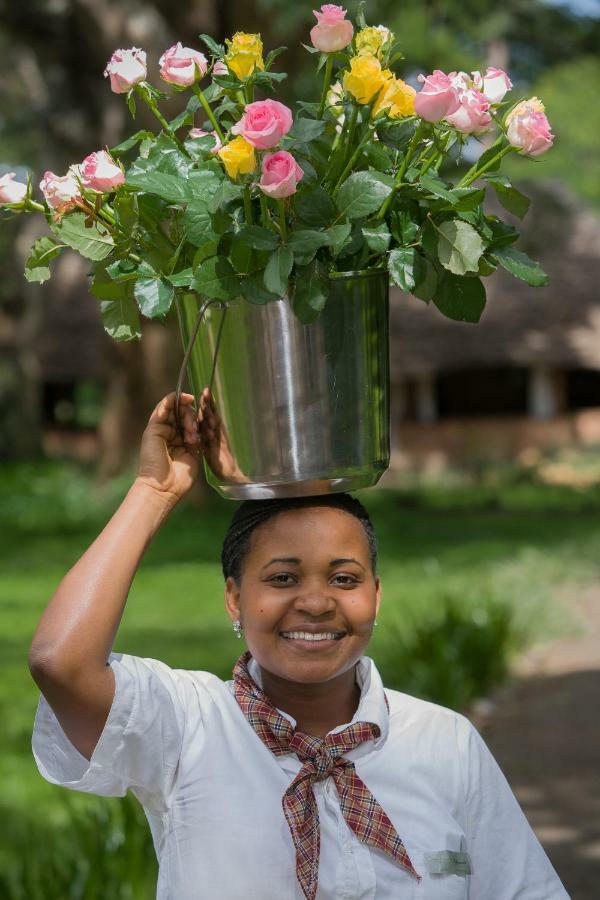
154 498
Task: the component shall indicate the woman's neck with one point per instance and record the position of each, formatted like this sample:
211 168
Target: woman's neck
317 708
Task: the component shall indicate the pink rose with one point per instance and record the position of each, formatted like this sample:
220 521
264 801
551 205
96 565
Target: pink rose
280 174
198 133
472 116
332 31
61 193
438 98
528 128
99 172
220 68
126 68
182 65
496 84
264 123
11 191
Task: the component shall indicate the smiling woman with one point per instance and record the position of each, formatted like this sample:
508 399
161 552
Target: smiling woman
303 776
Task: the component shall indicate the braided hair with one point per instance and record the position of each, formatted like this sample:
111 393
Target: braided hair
252 513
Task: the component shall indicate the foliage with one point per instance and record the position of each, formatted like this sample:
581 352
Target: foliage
188 217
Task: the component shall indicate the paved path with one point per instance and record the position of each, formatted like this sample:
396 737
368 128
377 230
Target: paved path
543 727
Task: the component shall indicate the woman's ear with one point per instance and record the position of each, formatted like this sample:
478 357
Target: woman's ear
377 594
232 598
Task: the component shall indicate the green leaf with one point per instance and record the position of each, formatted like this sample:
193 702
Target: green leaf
169 187
459 246
277 271
120 317
435 186
361 193
303 131
315 207
225 193
154 296
309 293
241 256
217 50
397 135
306 240
197 223
378 156
183 278
404 229
272 56
259 238
265 79
426 278
216 278
338 235
205 250
520 265
460 298
254 290
502 233
37 265
126 145
378 237
511 199
89 242
401 266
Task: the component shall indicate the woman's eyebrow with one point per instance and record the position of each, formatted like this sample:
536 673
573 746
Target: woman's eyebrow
294 559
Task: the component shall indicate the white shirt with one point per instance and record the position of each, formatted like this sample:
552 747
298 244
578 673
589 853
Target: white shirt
211 791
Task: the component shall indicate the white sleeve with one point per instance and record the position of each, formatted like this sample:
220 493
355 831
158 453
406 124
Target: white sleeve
507 859
140 745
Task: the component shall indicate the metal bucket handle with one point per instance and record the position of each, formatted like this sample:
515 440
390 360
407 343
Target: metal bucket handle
183 370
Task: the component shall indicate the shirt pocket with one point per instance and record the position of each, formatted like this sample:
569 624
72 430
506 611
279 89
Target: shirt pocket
444 873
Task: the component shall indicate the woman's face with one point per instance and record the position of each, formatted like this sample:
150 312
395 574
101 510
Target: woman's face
307 573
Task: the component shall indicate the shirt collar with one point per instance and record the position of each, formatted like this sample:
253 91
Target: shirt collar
371 707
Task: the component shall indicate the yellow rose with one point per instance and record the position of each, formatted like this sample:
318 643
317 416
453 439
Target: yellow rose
364 79
244 54
396 99
238 157
370 41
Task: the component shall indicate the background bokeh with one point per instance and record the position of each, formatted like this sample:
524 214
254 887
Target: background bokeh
489 527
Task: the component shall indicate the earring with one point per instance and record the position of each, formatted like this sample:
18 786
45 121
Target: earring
375 622
237 627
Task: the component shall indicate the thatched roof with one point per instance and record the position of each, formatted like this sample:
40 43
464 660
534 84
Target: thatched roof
556 325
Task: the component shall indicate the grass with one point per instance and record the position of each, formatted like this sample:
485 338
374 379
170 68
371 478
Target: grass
470 572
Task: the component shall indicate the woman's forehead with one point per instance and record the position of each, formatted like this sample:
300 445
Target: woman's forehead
315 525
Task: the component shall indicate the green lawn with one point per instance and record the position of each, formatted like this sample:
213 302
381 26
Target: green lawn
452 562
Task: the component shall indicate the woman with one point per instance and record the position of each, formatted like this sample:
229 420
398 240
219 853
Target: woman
302 776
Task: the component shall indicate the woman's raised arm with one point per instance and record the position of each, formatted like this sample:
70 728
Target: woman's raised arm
70 648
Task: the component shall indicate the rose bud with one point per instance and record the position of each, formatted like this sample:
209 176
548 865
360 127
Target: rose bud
332 31
528 128
220 68
198 133
280 174
11 191
264 123
182 65
472 116
125 69
238 157
100 172
496 84
438 97
61 192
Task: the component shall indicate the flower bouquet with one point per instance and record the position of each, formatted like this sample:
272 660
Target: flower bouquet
242 197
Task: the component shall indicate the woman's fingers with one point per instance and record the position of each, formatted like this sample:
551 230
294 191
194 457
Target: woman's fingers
164 410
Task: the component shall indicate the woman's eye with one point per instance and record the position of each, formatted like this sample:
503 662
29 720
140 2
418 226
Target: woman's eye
349 579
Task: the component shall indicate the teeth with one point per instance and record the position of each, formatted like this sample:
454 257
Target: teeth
307 636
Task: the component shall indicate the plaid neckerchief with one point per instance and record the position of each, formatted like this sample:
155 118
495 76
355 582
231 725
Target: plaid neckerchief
321 757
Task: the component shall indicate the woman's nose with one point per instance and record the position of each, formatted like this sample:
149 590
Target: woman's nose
315 601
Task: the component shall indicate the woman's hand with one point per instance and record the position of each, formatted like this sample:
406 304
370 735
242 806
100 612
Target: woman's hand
170 463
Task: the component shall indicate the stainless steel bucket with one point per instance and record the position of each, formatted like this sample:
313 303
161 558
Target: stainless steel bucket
303 409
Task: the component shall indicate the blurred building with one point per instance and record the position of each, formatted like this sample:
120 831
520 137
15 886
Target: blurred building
528 374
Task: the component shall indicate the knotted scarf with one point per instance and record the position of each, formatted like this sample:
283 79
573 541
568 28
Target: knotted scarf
321 757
